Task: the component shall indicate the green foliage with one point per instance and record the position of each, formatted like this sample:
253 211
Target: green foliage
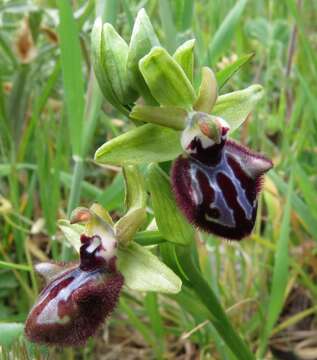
280 272
10 332
225 32
72 74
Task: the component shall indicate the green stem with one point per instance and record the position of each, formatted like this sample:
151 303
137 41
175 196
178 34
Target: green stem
217 316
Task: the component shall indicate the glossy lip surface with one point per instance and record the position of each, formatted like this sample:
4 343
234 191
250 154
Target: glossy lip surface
217 186
77 301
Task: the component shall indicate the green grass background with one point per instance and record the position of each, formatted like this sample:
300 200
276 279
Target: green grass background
53 117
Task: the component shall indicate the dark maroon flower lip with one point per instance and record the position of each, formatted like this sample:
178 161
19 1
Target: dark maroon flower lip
77 299
216 185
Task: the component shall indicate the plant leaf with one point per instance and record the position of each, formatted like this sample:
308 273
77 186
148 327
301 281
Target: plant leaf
170 221
143 271
71 61
225 32
280 272
236 106
145 144
224 75
303 211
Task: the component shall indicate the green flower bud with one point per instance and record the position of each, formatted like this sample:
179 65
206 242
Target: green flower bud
143 38
166 79
110 54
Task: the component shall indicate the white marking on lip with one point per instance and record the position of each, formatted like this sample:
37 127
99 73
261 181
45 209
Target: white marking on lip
49 314
93 245
108 242
196 193
241 195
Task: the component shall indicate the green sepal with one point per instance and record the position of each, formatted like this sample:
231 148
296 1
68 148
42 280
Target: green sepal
208 91
166 79
143 38
144 144
135 200
170 221
94 217
143 271
169 116
184 55
236 106
72 232
101 212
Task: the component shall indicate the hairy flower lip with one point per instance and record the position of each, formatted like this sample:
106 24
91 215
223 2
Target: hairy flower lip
82 314
78 297
216 184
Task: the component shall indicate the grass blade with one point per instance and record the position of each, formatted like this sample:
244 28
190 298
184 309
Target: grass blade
7 265
224 34
280 273
298 205
152 308
71 60
168 25
224 75
10 332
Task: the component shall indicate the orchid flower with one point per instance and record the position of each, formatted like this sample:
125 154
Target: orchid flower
79 296
216 181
